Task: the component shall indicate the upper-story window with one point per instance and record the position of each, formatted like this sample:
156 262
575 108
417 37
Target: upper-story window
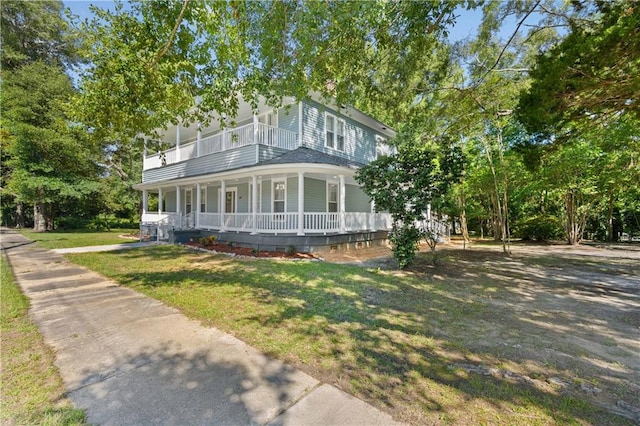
334 132
383 148
340 136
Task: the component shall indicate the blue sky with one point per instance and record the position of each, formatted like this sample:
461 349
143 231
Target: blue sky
81 7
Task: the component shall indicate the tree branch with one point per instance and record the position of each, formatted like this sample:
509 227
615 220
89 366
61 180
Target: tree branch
504 48
512 70
169 43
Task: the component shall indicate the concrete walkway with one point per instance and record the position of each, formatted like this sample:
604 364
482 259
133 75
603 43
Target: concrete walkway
108 247
129 359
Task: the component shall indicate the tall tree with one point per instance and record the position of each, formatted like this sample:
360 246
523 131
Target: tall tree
49 162
35 31
593 72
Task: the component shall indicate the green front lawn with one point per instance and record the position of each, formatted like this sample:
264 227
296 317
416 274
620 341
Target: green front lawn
78 238
32 390
394 339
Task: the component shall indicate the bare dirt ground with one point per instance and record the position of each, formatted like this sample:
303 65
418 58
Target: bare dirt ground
565 317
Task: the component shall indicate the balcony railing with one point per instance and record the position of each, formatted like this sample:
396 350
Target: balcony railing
250 134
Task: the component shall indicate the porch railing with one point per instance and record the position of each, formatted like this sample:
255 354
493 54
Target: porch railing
314 223
284 223
249 134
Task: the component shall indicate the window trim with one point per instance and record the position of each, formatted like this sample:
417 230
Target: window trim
337 202
337 122
327 116
340 123
273 199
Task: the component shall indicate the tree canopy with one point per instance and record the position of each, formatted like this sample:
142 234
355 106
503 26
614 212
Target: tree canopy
594 73
165 61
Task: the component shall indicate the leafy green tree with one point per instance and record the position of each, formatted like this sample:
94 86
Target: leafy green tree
593 72
49 163
160 62
405 183
35 31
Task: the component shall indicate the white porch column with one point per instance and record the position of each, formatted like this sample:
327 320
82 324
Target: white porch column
198 204
342 206
159 213
373 216
223 197
300 203
254 205
144 153
145 201
178 207
178 143
299 123
256 128
198 139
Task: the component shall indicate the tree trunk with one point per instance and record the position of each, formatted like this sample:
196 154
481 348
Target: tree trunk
610 236
19 215
39 217
463 214
574 222
495 218
50 217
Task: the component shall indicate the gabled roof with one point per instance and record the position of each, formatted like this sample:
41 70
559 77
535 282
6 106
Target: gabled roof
308 155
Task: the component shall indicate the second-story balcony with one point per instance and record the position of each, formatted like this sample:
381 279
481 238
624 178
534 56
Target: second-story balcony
224 140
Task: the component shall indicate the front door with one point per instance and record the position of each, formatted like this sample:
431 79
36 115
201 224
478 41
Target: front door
187 201
230 201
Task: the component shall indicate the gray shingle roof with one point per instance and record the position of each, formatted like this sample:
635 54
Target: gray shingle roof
307 155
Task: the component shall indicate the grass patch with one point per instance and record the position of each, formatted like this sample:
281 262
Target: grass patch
389 338
77 238
32 390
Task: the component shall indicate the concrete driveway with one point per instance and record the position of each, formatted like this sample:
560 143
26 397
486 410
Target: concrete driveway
129 359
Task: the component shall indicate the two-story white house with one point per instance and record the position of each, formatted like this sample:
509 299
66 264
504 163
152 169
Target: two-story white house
281 177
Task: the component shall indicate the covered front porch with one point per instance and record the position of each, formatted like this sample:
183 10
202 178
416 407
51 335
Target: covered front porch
273 223
282 201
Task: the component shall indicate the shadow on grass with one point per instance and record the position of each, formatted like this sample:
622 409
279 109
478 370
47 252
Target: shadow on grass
398 339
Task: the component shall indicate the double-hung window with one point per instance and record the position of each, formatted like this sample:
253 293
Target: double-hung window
340 135
203 199
334 132
330 127
332 197
279 194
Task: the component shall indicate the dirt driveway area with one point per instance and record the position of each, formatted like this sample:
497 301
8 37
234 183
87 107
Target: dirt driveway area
565 317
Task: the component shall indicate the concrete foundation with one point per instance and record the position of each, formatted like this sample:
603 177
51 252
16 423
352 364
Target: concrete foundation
301 243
